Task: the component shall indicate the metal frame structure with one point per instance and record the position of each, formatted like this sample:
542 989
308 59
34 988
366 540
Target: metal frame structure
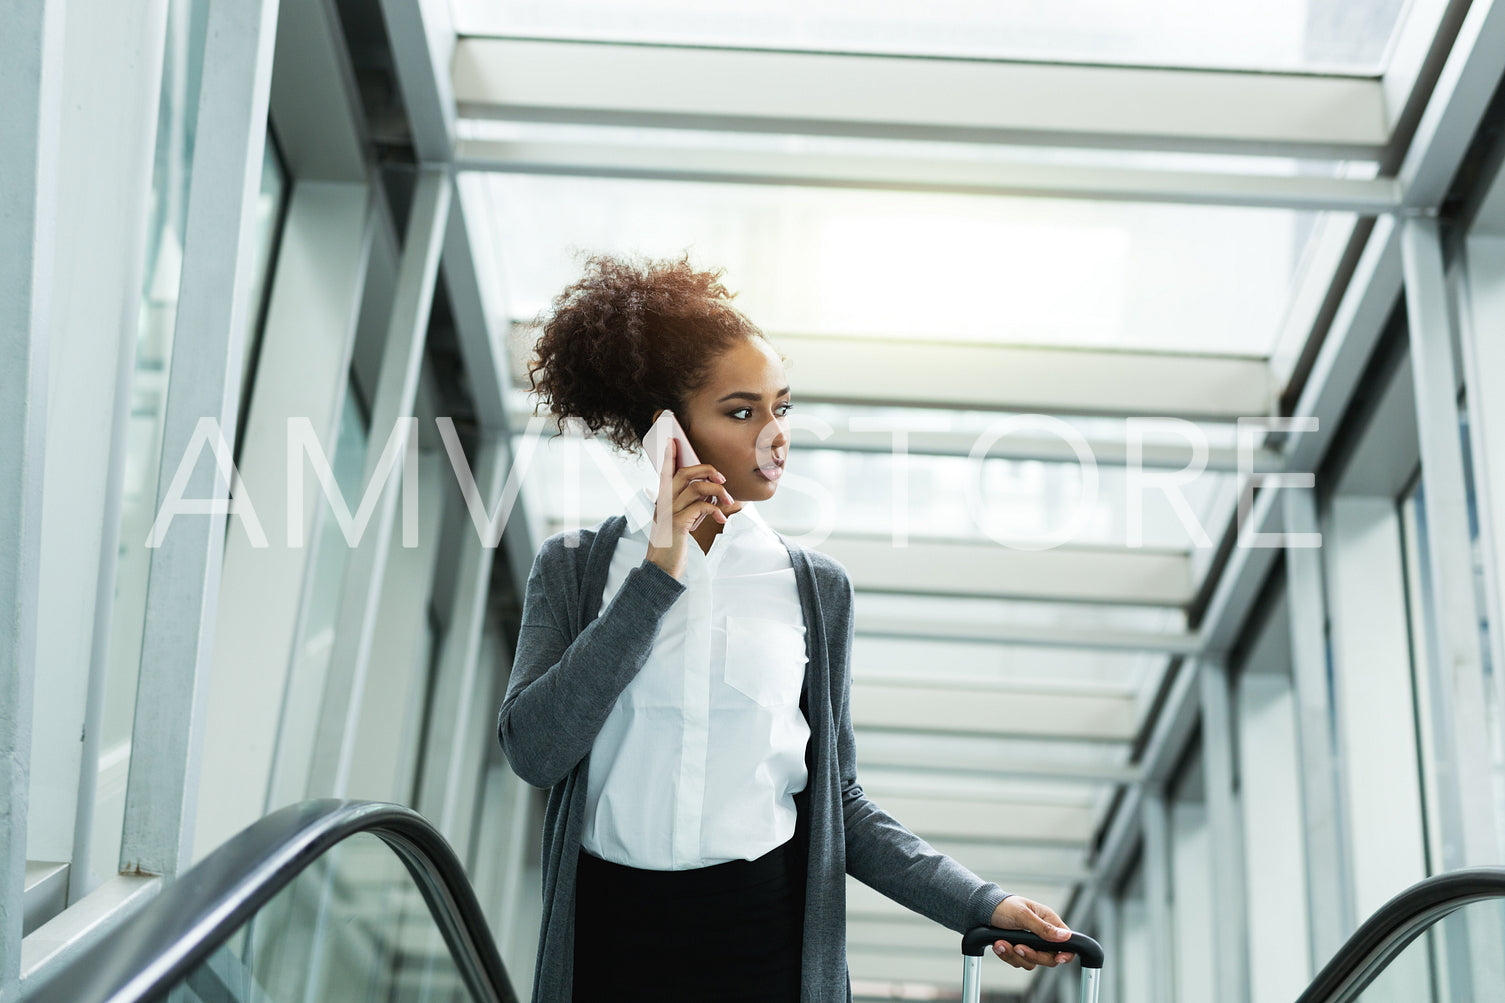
901 132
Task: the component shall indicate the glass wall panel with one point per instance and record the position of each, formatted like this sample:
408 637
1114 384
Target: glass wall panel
1492 682
1270 797
269 206
1191 885
1429 726
321 611
1137 948
1341 36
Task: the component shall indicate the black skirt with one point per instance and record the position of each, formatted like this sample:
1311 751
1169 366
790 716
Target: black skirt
730 931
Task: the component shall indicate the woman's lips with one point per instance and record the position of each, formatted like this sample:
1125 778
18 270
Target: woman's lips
771 472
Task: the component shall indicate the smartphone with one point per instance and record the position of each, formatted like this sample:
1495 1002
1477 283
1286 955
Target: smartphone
656 443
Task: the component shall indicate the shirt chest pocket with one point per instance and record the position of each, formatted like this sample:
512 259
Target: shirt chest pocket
765 659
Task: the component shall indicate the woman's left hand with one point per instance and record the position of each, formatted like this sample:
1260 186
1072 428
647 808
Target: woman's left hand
1019 913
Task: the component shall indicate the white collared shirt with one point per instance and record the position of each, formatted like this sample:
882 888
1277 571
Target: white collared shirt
702 754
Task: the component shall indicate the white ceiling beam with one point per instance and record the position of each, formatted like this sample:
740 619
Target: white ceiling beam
1105 575
1011 864
1047 449
1081 574
1366 196
921 441
949 817
891 372
951 662
888 96
1456 107
984 376
1170 642
987 756
864 902
1094 717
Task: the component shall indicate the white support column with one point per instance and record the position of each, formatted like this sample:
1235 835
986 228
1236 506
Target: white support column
31 65
1225 822
1327 868
111 90
1484 376
1456 653
396 390
1454 643
306 345
458 681
208 357
109 147
1105 922
1155 817
423 43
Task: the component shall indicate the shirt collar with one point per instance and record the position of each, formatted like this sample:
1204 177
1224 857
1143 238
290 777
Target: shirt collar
640 514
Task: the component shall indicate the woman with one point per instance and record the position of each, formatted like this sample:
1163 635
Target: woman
681 687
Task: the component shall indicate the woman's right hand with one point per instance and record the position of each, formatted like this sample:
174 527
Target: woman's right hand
685 497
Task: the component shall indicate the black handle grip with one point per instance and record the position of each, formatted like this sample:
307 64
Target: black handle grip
1088 951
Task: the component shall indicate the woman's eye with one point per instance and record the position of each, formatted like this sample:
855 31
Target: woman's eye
786 406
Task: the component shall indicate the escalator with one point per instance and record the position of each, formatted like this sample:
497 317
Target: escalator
327 901
335 901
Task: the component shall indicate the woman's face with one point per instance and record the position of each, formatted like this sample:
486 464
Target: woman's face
737 422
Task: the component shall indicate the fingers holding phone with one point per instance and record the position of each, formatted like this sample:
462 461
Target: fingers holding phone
686 496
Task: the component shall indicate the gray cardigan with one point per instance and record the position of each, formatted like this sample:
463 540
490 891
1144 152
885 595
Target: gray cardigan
570 667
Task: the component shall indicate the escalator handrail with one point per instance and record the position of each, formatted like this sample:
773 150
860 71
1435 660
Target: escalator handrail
200 910
1395 925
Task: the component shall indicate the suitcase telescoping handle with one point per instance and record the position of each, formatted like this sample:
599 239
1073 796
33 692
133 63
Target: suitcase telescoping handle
978 939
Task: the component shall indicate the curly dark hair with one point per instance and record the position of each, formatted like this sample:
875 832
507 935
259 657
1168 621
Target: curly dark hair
633 335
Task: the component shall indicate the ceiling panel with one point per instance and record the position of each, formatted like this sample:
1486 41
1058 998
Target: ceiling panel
941 817
952 662
1065 572
907 265
974 710
991 756
1018 507
864 902
1021 504
1343 36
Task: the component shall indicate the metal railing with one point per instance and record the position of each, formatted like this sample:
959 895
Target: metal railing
1395 925
202 909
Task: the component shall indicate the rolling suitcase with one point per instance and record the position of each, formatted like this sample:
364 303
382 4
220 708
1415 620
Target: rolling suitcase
978 939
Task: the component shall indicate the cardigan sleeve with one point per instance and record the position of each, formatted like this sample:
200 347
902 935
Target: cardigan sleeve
880 851
561 689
